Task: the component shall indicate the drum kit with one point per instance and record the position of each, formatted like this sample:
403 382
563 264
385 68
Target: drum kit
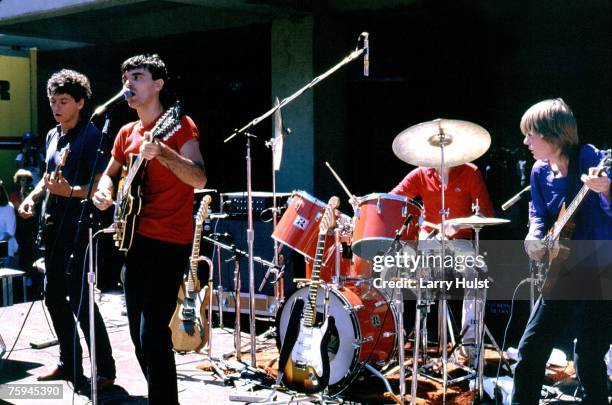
369 331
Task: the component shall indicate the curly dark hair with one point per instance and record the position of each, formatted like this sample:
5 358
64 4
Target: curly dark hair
152 63
70 82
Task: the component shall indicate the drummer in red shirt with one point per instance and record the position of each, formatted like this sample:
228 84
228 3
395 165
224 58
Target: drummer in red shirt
464 187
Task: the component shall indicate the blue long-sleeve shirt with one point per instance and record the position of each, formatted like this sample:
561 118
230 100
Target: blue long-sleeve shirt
593 219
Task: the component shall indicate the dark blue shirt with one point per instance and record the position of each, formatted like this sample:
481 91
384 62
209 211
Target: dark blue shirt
83 143
593 219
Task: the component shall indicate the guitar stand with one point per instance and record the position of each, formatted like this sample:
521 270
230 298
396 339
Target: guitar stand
215 363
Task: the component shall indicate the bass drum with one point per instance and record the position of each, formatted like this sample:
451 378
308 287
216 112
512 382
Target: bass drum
364 329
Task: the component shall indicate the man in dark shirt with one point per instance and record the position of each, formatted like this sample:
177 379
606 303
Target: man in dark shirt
63 235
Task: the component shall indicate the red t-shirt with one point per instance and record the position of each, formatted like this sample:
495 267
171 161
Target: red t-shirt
167 201
465 185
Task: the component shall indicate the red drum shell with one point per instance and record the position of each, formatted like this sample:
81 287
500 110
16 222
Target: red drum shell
378 218
365 329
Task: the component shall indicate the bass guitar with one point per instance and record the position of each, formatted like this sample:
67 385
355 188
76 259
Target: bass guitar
44 219
129 191
549 267
304 360
189 322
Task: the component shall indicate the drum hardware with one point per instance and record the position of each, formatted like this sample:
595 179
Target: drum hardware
425 144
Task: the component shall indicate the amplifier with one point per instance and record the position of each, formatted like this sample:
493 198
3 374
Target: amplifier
236 204
264 304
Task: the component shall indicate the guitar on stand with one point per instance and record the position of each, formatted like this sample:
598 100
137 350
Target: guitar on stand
304 361
189 323
129 191
549 268
43 222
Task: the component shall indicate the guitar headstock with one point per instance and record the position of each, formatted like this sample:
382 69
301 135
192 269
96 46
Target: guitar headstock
329 216
168 123
203 210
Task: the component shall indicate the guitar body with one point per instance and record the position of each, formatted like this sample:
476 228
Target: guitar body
43 220
190 325
189 333
126 211
307 368
551 267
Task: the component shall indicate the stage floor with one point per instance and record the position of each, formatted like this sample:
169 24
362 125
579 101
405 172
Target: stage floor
196 385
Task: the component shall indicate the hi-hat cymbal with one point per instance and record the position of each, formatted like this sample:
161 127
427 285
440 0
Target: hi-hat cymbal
463 141
477 221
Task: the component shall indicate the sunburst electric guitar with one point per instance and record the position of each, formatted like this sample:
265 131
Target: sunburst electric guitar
43 220
189 324
307 367
129 192
549 268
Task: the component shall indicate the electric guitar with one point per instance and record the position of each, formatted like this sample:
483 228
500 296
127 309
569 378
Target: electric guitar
307 367
189 323
129 192
549 268
43 219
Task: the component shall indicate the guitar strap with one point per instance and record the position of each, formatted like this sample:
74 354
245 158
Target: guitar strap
574 184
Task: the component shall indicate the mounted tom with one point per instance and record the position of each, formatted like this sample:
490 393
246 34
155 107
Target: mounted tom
129 192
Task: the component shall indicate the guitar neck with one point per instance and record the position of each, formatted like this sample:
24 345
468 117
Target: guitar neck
570 210
195 253
310 310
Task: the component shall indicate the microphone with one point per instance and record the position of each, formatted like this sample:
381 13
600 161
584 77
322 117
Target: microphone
399 233
514 199
366 54
119 97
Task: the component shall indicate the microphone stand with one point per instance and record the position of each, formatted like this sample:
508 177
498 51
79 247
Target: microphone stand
250 231
91 274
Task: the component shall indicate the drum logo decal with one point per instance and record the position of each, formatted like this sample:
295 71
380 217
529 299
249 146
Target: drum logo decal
301 222
375 320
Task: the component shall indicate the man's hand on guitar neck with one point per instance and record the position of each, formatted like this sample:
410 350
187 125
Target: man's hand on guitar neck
599 184
149 149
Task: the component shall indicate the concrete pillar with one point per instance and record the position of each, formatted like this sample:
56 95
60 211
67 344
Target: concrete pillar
292 68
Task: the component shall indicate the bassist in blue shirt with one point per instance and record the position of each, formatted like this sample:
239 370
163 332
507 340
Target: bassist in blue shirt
566 172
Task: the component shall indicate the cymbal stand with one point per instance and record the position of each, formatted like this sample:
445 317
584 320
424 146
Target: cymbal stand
444 307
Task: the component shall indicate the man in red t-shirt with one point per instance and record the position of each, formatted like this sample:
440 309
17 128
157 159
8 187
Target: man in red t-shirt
464 187
161 246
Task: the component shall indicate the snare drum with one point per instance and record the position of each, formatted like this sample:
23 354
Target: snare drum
364 329
298 228
378 218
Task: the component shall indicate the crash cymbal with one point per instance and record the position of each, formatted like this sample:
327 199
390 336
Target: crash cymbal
477 221
419 145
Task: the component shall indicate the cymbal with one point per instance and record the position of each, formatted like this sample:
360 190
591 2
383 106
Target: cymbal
477 221
463 141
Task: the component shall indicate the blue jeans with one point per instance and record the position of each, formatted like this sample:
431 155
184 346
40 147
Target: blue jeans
591 325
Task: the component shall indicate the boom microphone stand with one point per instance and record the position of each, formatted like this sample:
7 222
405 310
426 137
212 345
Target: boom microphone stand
363 38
